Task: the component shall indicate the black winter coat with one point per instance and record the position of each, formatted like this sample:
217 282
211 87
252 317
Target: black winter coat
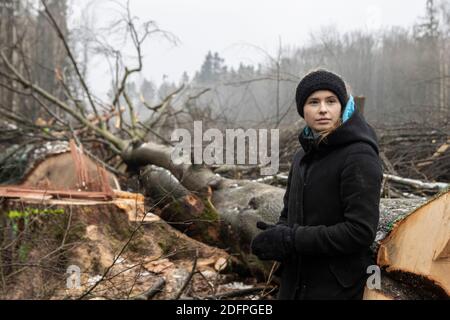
333 194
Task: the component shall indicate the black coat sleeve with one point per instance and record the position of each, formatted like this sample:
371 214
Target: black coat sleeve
283 219
360 185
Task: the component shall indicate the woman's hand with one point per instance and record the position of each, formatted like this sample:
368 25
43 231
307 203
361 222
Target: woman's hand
261 225
276 242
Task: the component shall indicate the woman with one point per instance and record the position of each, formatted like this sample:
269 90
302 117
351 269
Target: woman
331 204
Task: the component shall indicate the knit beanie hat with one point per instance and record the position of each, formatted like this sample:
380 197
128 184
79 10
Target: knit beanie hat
320 80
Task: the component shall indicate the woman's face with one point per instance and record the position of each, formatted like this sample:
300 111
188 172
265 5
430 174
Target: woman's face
322 110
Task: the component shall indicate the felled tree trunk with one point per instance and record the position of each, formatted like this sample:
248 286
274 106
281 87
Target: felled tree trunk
414 249
224 216
230 207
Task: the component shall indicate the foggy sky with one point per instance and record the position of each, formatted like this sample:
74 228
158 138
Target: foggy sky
229 26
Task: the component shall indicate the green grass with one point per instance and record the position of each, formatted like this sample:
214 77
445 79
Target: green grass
15 214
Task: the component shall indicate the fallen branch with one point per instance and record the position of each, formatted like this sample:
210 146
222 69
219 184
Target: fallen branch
282 178
417 184
188 279
156 288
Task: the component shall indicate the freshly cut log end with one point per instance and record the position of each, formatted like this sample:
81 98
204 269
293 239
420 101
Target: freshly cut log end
416 251
443 253
62 172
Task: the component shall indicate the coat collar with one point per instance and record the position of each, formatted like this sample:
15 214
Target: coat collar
356 129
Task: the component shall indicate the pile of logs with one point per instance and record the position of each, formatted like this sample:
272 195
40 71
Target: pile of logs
416 151
412 244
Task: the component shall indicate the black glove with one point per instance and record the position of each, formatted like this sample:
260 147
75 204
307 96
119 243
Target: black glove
275 243
261 225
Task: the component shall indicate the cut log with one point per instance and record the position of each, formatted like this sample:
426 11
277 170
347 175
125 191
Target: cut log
69 171
417 248
193 177
392 211
228 216
190 213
